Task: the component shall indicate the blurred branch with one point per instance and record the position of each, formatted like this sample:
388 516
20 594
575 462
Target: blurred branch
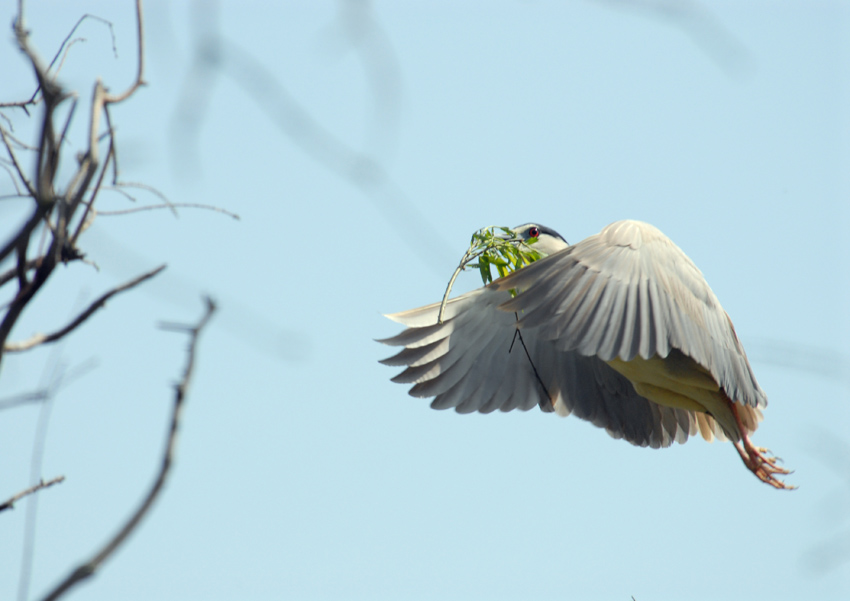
828 555
242 321
54 377
59 380
88 568
704 29
215 54
172 206
834 453
358 30
9 504
820 361
24 399
39 339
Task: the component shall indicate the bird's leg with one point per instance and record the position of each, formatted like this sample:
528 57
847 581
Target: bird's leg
759 460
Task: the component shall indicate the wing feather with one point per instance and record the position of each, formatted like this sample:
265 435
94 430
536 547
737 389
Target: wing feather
661 301
474 372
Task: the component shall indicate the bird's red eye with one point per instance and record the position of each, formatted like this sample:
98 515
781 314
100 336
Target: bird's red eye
533 232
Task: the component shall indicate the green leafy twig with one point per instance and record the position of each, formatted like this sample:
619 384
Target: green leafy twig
493 246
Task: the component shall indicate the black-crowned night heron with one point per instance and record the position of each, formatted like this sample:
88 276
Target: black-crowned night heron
620 329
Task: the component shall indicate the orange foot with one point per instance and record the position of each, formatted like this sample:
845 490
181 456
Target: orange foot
759 460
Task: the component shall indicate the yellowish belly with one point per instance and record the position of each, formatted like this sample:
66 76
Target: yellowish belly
675 381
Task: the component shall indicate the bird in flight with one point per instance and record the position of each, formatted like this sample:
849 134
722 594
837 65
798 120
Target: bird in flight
621 330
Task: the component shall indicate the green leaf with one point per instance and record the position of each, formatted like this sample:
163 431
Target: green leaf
484 268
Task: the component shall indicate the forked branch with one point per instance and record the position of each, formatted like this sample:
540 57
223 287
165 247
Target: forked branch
100 302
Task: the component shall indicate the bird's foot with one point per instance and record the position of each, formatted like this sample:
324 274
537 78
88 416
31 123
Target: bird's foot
759 460
763 463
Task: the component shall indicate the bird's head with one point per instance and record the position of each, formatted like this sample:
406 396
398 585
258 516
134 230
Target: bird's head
548 240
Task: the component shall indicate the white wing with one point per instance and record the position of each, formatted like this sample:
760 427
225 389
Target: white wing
473 362
470 362
630 291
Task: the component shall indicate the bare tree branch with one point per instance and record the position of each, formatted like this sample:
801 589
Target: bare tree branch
65 55
110 153
172 206
56 211
88 568
140 23
69 42
66 44
10 503
39 339
62 207
17 141
118 187
6 141
11 273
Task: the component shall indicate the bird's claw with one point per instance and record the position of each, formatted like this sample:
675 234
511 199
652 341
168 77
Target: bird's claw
761 462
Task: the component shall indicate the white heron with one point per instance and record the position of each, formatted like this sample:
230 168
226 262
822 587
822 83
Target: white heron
621 330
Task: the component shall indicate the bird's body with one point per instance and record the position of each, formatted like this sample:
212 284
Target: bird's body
620 329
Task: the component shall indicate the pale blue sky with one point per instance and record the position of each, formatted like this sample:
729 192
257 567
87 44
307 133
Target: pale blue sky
303 472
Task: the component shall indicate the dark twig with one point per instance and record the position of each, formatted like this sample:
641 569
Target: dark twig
24 231
17 165
10 503
518 334
88 568
39 339
67 123
11 273
67 41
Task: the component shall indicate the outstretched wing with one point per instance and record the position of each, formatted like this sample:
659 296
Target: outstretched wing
470 361
476 361
630 291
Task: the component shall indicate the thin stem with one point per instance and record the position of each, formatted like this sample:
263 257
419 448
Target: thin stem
10 503
88 568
